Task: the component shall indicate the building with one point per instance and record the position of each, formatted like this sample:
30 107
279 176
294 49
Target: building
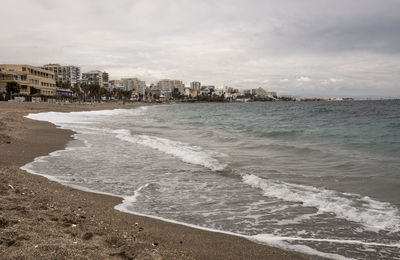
170 85
65 74
31 79
261 93
115 84
195 85
134 84
95 77
230 90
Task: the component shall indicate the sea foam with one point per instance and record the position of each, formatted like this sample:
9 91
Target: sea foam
373 215
81 121
185 152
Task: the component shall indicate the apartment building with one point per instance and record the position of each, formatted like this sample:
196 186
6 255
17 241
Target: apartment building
65 74
31 79
170 85
195 85
95 77
134 84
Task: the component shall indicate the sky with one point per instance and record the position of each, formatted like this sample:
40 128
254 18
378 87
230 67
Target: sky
303 48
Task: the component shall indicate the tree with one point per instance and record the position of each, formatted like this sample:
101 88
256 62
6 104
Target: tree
64 85
77 91
176 94
12 87
127 94
91 91
104 93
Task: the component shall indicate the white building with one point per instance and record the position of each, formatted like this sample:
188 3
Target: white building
134 84
115 84
195 85
170 85
95 77
65 74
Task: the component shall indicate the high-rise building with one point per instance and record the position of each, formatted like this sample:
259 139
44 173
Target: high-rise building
134 84
170 85
65 74
95 77
195 85
31 79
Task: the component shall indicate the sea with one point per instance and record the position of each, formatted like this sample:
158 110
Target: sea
319 178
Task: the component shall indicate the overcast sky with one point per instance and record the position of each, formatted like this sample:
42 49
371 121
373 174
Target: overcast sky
296 47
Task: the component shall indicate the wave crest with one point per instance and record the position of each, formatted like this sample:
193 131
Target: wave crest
370 213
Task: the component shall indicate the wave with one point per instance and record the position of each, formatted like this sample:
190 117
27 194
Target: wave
283 242
128 200
373 215
81 122
185 152
82 117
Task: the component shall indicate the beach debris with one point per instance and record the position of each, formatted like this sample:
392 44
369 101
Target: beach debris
141 229
11 242
11 187
136 224
83 217
36 246
73 225
87 236
155 243
3 222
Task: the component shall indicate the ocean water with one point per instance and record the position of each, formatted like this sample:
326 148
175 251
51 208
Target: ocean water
322 178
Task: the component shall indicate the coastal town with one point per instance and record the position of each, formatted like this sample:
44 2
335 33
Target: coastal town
55 82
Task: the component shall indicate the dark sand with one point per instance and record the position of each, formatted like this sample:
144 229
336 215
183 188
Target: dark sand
41 219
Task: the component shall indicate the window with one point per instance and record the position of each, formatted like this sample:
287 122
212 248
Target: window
23 69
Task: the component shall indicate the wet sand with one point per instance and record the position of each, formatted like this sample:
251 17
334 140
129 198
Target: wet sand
42 219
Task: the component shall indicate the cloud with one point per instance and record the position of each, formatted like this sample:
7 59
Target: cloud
303 79
334 80
215 42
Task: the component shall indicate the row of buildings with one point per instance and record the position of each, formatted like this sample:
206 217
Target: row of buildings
55 79
49 79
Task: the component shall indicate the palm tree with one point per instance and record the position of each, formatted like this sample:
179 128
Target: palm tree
12 88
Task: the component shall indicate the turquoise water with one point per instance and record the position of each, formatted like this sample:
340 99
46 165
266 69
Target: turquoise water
316 177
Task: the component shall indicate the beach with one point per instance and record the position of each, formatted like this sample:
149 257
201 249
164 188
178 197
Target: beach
42 219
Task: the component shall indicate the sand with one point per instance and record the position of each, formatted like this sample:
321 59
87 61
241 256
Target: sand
42 219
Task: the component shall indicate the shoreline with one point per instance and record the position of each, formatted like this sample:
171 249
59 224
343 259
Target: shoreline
56 221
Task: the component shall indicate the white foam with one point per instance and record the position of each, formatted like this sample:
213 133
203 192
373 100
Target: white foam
185 152
373 215
83 117
267 239
272 238
280 242
129 200
81 123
